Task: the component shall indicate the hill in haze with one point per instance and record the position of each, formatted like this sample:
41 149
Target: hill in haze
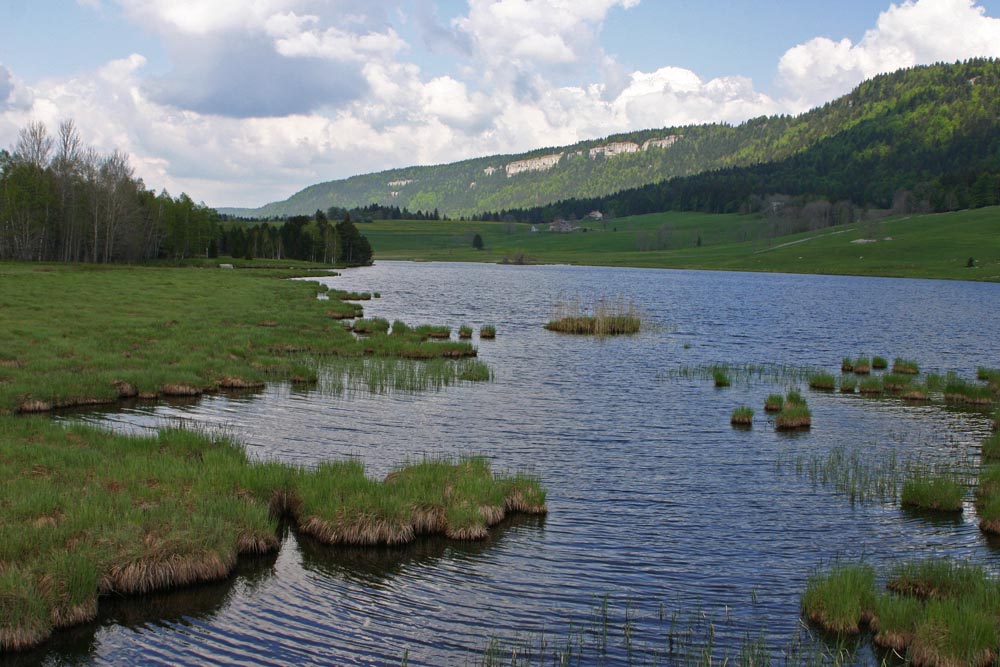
933 124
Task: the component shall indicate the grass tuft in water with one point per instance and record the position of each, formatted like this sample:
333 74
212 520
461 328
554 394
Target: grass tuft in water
465 332
879 363
846 365
937 493
721 378
957 390
862 366
742 416
905 366
848 384
871 386
607 317
991 449
841 600
774 403
822 381
487 332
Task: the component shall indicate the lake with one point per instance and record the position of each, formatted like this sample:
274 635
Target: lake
658 508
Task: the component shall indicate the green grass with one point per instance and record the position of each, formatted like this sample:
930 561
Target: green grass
988 498
841 599
822 381
465 332
879 363
924 246
938 579
861 366
896 383
794 416
995 420
847 365
774 403
848 384
86 513
991 449
487 332
721 378
937 493
85 335
957 390
871 386
609 316
905 366
742 416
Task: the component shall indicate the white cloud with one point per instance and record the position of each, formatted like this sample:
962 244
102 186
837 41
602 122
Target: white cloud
907 34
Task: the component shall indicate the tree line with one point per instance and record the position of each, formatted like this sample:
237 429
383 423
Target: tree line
309 238
63 201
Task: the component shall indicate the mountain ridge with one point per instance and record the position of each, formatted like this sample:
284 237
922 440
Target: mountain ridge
598 168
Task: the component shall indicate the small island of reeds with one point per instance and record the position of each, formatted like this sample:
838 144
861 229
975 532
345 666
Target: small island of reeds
934 493
795 414
607 317
742 416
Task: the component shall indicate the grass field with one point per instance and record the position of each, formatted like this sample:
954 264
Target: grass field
926 246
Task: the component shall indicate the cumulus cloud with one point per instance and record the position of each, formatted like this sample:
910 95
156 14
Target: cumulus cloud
907 34
6 85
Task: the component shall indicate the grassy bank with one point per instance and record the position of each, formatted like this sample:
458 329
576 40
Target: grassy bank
927 246
85 335
86 513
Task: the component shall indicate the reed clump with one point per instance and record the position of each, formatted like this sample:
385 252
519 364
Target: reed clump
774 403
896 383
847 365
935 493
871 386
915 392
879 363
607 317
370 326
905 366
988 499
822 381
991 449
842 600
487 332
861 366
848 384
102 513
721 378
957 390
464 332
795 414
742 416
995 420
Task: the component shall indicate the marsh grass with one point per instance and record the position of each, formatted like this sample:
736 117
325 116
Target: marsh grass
487 332
988 498
464 332
957 390
939 613
90 513
822 381
774 403
995 420
742 416
381 375
793 417
720 378
871 386
896 383
861 366
847 365
841 600
848 384
151 331
370 326
743 374
905 366
852 473
879 363
932 492
609 316
991 449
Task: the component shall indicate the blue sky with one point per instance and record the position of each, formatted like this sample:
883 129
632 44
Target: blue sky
239 102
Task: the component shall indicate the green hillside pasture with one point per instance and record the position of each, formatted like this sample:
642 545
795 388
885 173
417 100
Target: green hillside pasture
925 246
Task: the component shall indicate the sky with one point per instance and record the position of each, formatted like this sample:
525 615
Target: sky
242 102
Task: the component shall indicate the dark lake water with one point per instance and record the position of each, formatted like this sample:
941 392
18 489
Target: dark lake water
655 501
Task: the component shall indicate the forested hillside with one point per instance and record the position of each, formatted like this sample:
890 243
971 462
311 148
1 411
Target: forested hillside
929 129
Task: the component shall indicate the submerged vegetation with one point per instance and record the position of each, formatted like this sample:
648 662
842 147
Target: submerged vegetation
89 513
607 317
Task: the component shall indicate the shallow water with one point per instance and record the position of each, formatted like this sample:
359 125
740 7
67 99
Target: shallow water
654 499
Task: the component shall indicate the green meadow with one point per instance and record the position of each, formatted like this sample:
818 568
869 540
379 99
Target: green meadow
921 246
